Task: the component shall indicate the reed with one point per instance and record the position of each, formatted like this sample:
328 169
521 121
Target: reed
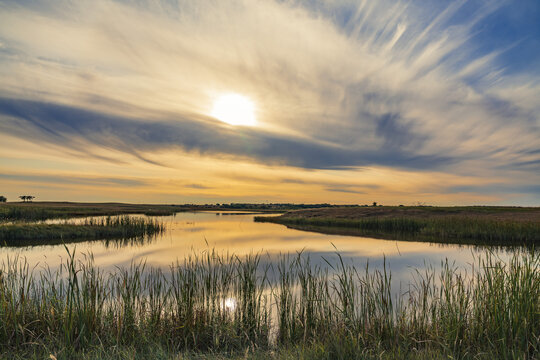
212 305
31 212
122 227
14 213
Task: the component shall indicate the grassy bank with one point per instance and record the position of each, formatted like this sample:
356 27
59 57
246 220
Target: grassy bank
123 227
39 211
212 306
454 228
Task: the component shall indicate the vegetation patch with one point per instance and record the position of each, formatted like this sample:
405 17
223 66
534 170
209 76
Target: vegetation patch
123 227
477 226
212 304
64 210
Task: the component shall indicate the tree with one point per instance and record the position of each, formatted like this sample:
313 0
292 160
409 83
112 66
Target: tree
23 198
374 203
3 199
27 198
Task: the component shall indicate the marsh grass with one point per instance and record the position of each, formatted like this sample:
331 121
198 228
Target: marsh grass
214 303
454 229
120 227
32 212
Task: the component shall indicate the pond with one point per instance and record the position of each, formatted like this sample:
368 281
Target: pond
233 232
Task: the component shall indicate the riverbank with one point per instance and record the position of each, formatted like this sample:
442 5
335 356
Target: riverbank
212 306
502 226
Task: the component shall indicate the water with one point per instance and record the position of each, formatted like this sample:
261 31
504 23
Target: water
237 233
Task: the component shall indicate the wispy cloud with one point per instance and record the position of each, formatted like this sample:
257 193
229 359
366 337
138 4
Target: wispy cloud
338 84
496 188
347 191
74 180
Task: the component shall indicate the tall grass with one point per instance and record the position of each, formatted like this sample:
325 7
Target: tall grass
31 212
452 229
122 227
13 213
213 303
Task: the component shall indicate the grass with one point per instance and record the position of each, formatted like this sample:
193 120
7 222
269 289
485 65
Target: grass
43 211
122 227
449 229
214 306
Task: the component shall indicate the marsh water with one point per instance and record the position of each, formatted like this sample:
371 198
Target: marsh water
191 233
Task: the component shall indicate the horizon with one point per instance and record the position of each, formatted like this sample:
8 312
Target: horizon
303 102
239 206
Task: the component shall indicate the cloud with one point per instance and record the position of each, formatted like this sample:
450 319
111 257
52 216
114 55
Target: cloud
79 129
197 186
395 133
496 189
337 84
74 180
347 191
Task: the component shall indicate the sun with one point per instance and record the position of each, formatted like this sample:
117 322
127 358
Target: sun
234 109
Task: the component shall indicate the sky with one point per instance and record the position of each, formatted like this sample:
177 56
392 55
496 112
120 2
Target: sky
399 102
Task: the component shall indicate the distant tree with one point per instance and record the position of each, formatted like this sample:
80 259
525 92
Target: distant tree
23 198
3 199
374 203
27 198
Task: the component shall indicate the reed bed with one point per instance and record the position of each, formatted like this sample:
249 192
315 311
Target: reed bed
120 227
214 303
18 213
31 212
452 229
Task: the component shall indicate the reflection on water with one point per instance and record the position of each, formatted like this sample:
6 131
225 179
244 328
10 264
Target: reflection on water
239 234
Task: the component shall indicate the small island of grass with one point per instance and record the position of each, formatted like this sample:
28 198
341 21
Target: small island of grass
122 227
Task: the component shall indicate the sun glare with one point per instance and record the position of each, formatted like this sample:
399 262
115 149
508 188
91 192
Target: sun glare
229 304
234 109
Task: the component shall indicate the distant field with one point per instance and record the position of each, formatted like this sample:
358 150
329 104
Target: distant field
36 211
481 225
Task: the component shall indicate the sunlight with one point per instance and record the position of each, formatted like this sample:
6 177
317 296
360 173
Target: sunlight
234 109
229 304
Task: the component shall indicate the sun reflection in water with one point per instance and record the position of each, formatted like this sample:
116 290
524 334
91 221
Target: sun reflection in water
229 304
